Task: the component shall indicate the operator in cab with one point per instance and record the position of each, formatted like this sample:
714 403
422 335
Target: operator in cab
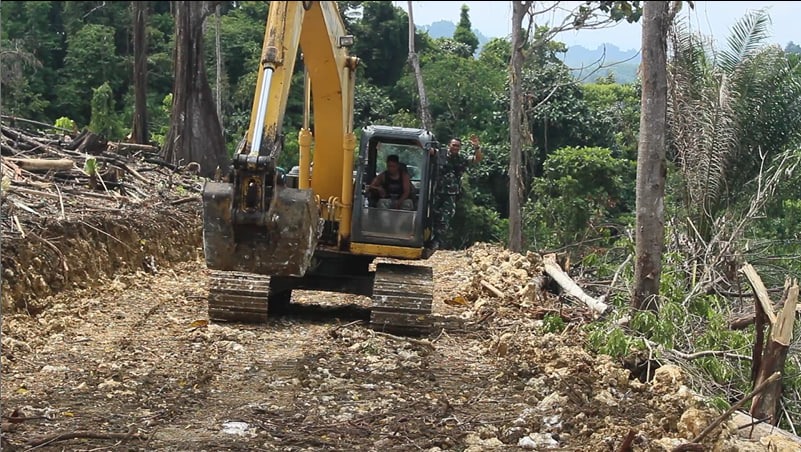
393 186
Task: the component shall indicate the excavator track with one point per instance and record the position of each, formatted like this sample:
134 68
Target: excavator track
402 298
238 297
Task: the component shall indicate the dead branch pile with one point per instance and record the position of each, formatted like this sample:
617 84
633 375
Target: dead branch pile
68 176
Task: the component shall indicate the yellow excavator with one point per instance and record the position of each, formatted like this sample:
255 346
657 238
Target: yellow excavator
318 227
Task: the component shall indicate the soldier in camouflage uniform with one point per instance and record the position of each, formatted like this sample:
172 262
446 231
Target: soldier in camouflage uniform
449 186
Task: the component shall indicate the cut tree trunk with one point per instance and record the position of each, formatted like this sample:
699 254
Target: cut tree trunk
88 143
770 356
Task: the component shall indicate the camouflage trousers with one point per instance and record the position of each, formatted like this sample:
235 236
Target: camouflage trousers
444 211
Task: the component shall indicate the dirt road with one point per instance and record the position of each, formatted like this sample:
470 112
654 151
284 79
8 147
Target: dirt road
135 365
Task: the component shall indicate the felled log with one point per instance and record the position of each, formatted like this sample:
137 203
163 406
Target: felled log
553 270
43 164
128 148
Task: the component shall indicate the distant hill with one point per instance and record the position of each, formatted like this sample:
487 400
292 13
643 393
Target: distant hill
445 29
587 64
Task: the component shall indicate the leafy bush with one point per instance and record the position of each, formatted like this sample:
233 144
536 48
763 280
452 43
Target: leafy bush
582 193
66 123
103 120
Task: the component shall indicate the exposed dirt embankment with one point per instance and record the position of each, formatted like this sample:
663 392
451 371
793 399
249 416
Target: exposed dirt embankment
61 255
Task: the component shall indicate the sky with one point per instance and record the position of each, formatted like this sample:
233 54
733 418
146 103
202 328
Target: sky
493 19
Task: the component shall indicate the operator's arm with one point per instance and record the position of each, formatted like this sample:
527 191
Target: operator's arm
378 185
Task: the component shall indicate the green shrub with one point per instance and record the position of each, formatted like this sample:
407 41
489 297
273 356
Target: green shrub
581 194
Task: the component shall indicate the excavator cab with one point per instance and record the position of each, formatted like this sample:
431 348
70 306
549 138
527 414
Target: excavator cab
396 227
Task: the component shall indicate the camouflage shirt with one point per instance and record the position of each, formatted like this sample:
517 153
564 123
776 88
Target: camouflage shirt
450 173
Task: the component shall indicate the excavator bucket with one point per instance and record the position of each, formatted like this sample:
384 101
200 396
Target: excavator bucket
281 244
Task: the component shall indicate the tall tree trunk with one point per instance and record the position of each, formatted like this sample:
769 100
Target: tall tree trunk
425 112
651 167
195 134
218 59
139 132
519 10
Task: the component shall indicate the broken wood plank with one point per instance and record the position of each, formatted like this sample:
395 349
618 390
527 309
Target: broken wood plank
553 270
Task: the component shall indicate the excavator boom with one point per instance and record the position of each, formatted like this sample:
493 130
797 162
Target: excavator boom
252 222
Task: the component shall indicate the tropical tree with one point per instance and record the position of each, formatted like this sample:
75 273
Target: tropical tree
195 134
139 130
732 112
651 166
464 31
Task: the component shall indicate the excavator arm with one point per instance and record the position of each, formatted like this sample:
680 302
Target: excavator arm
253 223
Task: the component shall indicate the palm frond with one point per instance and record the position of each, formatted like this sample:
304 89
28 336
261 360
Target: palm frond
747 36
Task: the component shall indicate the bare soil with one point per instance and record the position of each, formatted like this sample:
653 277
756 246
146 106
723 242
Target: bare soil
106 345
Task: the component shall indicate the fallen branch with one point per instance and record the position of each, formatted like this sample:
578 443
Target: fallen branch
423 343
119 146
185 200
566 282
702 354
755 429
65 436
28 191
697 440
36 123
43 164
495 291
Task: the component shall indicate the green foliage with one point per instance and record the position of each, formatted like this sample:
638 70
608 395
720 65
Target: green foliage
581 192
631 11
553 323
382 41
464 33
90 166
160 121
104 120
371 105
66 123
474 223
90 62
613 341
743 100
616 109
